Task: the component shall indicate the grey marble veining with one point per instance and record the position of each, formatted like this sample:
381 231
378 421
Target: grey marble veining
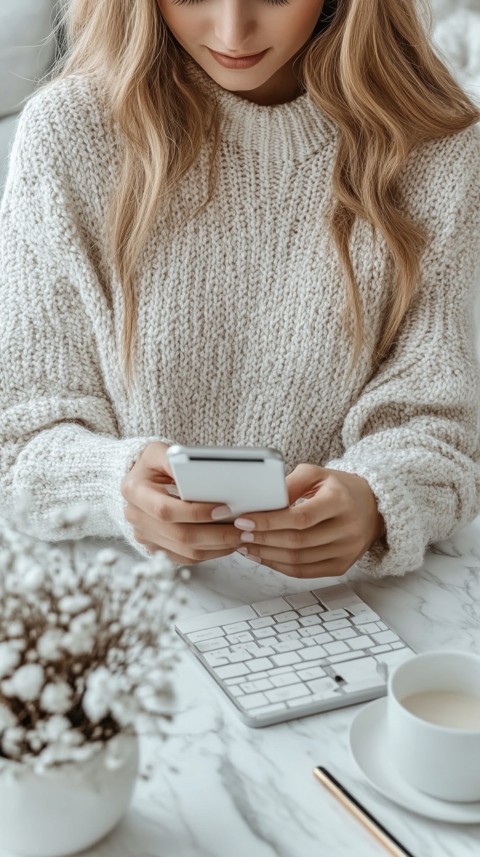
221 789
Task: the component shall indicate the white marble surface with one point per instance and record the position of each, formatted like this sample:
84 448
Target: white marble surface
222 789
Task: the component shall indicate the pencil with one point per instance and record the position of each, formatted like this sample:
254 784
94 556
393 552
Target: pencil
393 846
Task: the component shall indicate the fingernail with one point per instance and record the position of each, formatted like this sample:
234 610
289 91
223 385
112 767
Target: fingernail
243 551
244 524
247 537
253 558
221 512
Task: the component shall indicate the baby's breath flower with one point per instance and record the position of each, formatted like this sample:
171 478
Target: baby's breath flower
74 604
27 682
49 645
56 697
9 659
7 718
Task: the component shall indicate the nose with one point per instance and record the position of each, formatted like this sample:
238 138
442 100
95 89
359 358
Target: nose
233 26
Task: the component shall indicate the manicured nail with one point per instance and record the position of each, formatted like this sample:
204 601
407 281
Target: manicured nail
244 524
221 512
247 537
253 558
243 551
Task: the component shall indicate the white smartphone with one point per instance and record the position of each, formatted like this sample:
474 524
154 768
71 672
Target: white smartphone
248 479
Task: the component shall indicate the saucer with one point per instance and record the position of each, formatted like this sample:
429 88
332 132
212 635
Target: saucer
369 748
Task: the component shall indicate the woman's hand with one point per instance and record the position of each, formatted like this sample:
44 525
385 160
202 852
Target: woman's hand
184 530
320 537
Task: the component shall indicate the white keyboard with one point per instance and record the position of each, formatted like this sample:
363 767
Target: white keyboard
296 655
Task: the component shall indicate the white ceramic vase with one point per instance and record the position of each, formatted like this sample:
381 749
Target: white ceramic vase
68 808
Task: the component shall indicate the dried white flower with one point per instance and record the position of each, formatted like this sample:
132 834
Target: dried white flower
56 697
9 659
27 682
102 688
7 718
74 603
12 740
49 645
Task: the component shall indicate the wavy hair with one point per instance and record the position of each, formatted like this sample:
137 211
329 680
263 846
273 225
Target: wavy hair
369 66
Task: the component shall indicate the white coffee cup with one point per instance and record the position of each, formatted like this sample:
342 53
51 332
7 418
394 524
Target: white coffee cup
440 760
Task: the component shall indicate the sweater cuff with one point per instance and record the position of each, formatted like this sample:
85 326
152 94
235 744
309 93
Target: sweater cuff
402 548
69 466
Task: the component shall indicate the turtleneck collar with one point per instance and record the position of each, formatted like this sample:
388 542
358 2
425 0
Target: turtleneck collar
294 130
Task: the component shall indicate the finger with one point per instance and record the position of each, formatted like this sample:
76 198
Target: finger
329 531
211 536
329 568
304 479
302 517
298 556
179 554
160 505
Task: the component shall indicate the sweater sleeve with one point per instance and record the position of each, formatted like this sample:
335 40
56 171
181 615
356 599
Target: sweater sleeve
60 443
413 433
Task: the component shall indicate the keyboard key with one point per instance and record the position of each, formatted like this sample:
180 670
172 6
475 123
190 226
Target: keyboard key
362 669
239 655
238 680
259 664
336 648
286 678
290 635
288 645
301 599
261 633
254 686
231 670
362 642
211 645
215 660
243 637
286 617
363 618
385 637
207 634
283 627
333 615
311 672
253 701
321 637
376 650
338 623
312 653
285 658
270 607
280 694
236 627
235 690
398 645
322 685
310 620
345 656
372 627
263 622
311 610
344 633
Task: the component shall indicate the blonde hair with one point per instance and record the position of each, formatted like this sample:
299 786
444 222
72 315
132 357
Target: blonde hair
370 67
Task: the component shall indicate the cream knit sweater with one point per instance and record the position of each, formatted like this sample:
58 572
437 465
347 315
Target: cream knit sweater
240 331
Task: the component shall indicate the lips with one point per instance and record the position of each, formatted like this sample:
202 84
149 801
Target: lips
245 61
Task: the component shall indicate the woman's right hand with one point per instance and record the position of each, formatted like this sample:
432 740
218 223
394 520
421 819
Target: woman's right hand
183 529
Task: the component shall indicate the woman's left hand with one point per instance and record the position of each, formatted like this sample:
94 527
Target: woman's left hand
325 534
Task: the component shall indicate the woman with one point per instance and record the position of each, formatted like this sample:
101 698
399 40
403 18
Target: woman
279 253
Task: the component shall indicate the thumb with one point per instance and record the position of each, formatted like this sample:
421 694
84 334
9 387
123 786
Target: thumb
305 481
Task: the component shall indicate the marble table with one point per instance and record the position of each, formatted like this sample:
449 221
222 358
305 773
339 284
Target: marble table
222 789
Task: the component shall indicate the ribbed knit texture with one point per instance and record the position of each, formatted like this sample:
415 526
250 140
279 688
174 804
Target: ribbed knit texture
240 330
